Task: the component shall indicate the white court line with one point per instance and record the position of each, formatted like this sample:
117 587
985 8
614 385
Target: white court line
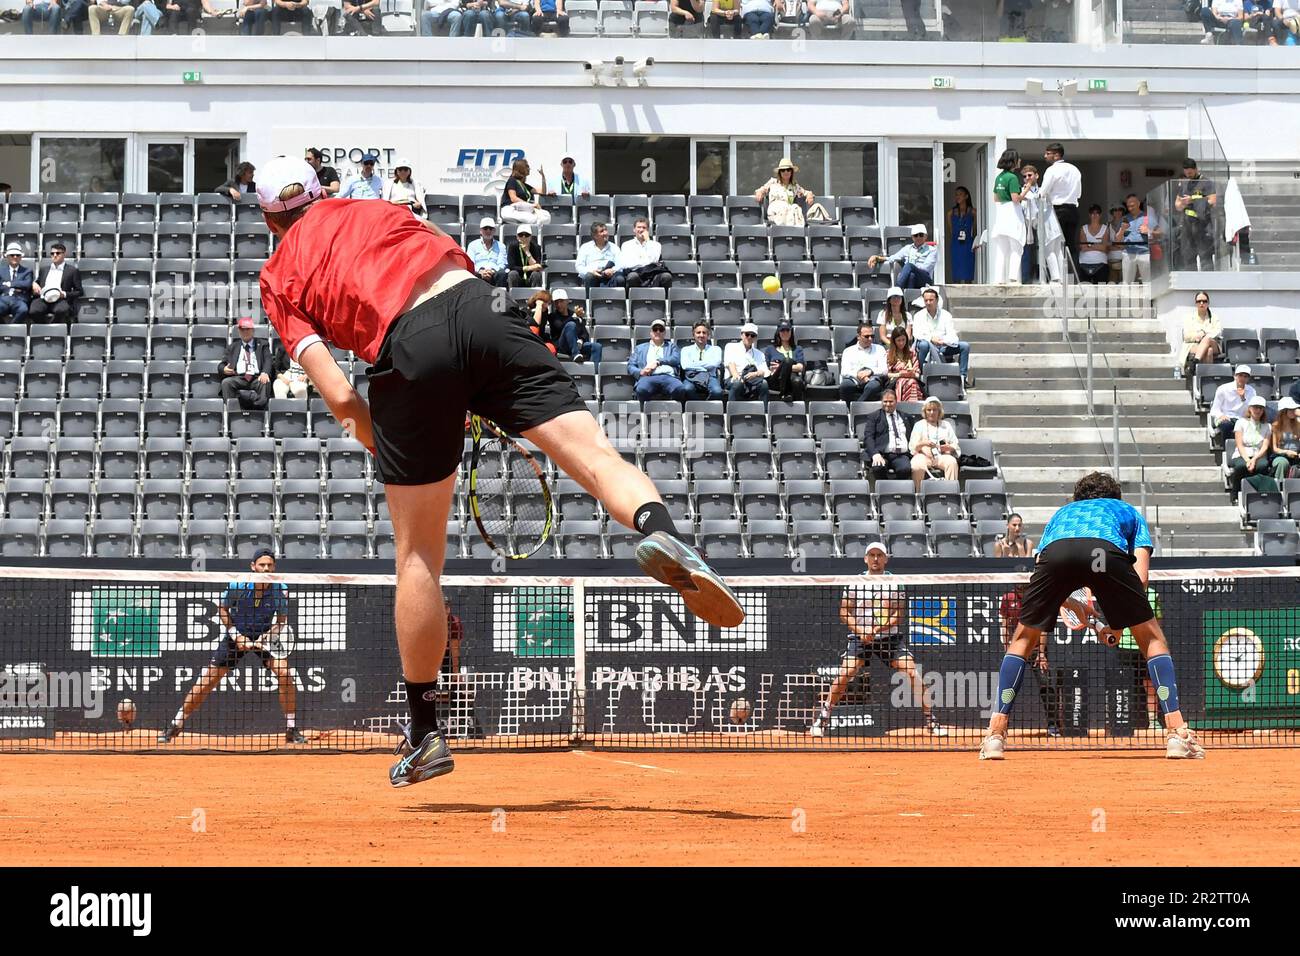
911 814
626 763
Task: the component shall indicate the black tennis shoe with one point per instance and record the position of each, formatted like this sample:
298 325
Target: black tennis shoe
431 759
293 736
675 564
170 734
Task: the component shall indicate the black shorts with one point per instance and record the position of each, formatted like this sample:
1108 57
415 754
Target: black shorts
452 353
886 648
1067 565
227 655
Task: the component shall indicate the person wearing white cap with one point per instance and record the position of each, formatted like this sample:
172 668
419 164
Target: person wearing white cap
524 259
15 284
746 368
1284 441
1230 401
439 345
1251 435
569 330
918 260
488 254
403 190
656 366
933 444
894 315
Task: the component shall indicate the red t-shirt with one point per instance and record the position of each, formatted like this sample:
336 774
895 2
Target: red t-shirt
344 270
1010 608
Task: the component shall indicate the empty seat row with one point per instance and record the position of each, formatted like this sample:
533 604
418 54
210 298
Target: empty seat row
245 240
127 208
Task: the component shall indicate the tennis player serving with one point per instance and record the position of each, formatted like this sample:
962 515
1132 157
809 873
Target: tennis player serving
399 293
1103 543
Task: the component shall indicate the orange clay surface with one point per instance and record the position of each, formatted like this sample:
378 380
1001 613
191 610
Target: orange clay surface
1238 807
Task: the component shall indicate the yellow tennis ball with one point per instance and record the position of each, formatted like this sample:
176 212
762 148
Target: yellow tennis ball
771 285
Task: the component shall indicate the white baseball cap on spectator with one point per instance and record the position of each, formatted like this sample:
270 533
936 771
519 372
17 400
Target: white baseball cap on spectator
281 173
749 327
523 230
920 230
402 164
1286 403
656 324
13 249
1257 401
1242 370
487 222
877 546
559 294
893 291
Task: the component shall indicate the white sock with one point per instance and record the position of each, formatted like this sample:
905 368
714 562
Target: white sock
289 720
179 719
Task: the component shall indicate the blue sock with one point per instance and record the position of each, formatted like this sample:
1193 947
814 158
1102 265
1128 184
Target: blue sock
1161 670
1010 676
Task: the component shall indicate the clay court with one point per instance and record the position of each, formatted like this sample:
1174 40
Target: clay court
1237 808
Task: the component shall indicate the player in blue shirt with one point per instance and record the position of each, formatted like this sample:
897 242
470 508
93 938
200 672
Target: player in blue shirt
249 611
1100 542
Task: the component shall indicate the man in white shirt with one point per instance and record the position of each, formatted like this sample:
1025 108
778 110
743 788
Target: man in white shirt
863 369
1062 185
368 185
936 334
571 184
885 440
637 257
746 367
701 364
830 18
1229 15
487 253
1230 401
597 258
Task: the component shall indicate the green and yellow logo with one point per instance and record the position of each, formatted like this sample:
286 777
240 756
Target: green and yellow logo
543 622
125 622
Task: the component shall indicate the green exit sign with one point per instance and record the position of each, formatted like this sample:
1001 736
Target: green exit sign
1098 86
943 82
192 76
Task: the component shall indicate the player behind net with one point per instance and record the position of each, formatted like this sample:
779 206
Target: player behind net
400 293
253 614
1102 543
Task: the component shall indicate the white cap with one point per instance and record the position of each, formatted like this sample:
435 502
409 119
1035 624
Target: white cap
1258 400
487 222
920 228
559 294
877 546
656 324
281 173
14 249
524 230
749 327
1242 370
894 291
1286 403
403 163
933 400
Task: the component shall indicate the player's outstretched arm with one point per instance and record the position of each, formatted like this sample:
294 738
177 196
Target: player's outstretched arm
1142 563
347 407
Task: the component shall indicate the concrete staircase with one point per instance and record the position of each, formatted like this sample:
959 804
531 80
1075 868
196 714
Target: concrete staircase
1273 202
1029 398
1159 21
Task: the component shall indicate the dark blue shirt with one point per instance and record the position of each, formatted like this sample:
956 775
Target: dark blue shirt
253 613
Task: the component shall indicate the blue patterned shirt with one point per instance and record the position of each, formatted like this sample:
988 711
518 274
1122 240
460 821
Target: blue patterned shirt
1107 518
253 613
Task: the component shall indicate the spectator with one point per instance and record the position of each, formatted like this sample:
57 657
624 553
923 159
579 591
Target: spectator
549 16
702 365
829 18
1194 230
1227 15
539 311
1094 248
1030 204
1062 185
1013 544
936 333
513 18
1116 230
746 368
725 16
1007 231
239 184
56 289
918 261
245 371
640 260
656 365
367 184
1284 441
961 238
15 284
933 444
524 259
912 19
476 13
884 440
683 14
402 190
1230 401
292 382
1049 685
569 329
1286 18
904 368
292 11
760 16
1140 226
46 11
1201 342
1252 436
519 201
784 195
489 255
596 258
253 15
102 10
785 363
441 13
327 176
864 373
190 11
571 184
1261 19
893 315
360 17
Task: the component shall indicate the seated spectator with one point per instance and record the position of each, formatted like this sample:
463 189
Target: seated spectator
1286 22
702 366
864 374
1135 253
725 16
519 201
1251 436
488 254
100 12
683 14
1261 19
524 259
1094 248
402 190
894 315
745 368
292 11
1229 15
903 367
292 382
253 15
1284 441
1201 342
549 16
1230 401
596 258
513 18
640 260
785 363
439 14
1116 231
784 195
569 329
1013 544
245 371
15 285
539 318
760 17
56 289
475 14
50 12
936 335
239 184
934 445
359 17
918 260
191 12
571 184
656 366
368 184
826 19
885 440
327 176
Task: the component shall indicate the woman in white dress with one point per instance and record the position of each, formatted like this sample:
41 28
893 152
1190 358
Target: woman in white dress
404 190
1007 232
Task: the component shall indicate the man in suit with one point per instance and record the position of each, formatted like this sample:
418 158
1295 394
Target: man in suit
57 289
656 366
884 442
15 284
246 369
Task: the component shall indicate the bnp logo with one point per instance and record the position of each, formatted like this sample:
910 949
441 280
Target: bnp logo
543 622
125 622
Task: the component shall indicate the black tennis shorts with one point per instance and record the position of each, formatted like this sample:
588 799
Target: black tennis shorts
886 648
452 353
228 654
1069 564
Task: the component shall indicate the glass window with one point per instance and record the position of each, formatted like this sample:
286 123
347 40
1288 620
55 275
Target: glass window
713 168
643 164
811 160
166 172
755 161
916 186
855 169
82 165
214 162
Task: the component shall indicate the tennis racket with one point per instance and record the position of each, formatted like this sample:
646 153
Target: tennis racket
279 642
508 494
1077 609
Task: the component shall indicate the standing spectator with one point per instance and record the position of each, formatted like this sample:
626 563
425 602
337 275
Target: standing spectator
402 190
904 368
784 195
569 329
683 14
1252 438
1007 232
918 259
785 363
746 367
519 201
15 284
359 17
47 11
549 15
702 365
571 184
884 440
1201 338
103 10
725 16
292 11
56 289
1230 401
1116 231
1194 232
1094 248
245 371
824 16
893 316
239 184
440 13
864 373
489 255
933 444
367 184
1284 441
513 18
596 258
961 238
1227 15
1049 685
1140 227
1061 188
640 260
477 13
656 366
327 176
760 16
524 259
253 15
1013 544
1030 204
292 382
936 334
